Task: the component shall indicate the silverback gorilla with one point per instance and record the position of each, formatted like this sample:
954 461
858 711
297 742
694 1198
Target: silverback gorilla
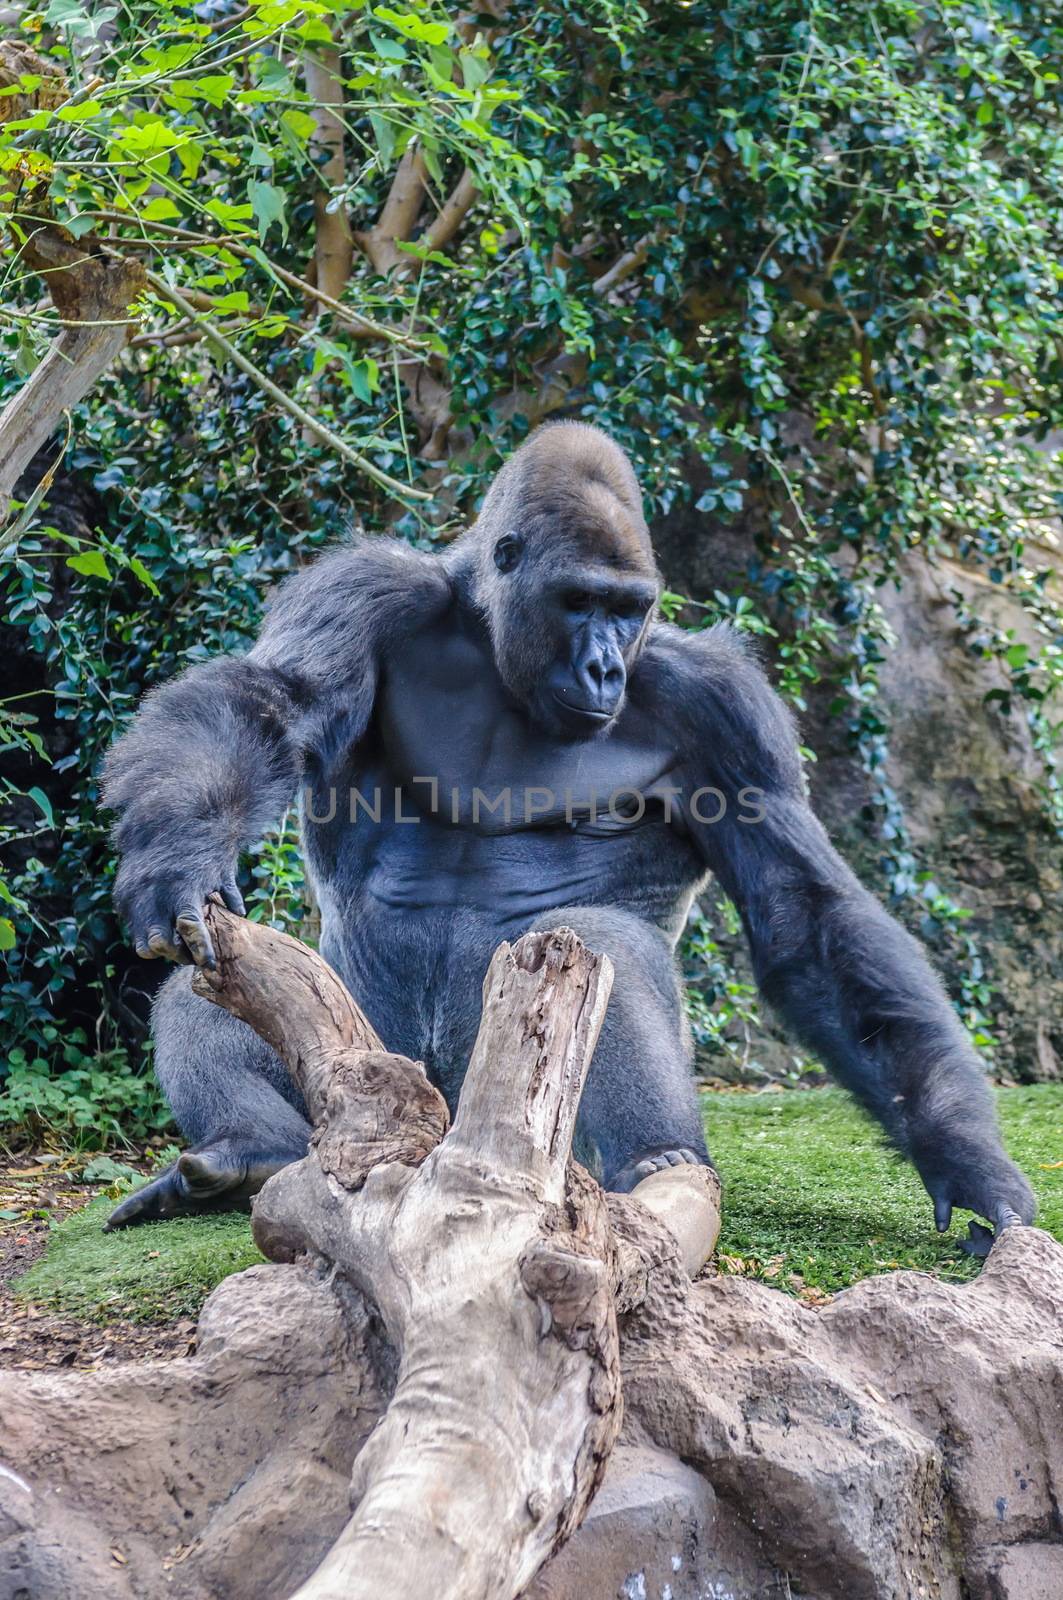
506 737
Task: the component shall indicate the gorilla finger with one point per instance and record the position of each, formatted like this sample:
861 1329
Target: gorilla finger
233 899
942 1214
144 952
1005 1217
979 1241
160 945
193 931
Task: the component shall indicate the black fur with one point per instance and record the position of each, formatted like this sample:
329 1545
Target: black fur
540 671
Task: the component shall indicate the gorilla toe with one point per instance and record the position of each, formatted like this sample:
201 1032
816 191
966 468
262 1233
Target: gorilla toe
655 1161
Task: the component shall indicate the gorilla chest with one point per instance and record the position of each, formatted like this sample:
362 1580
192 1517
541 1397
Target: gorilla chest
464 755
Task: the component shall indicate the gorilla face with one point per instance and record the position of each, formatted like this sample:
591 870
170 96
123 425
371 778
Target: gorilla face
567 636
565 577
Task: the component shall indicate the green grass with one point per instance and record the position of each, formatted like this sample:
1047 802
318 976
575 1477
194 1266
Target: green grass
810 1189
155 1273
810 1193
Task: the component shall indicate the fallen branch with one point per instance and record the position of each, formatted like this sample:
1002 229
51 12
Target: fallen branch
490 1260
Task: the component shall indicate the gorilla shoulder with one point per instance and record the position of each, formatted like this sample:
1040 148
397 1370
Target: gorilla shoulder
713 687
329 621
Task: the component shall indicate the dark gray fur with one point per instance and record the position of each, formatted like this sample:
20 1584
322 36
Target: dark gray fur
532 662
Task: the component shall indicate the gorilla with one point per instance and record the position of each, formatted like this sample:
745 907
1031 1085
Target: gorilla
501 737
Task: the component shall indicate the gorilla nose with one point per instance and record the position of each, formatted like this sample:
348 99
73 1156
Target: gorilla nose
600 681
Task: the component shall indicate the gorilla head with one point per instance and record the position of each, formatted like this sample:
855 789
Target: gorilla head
565 576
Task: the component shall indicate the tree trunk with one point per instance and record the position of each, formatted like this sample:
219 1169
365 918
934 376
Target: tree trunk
92 290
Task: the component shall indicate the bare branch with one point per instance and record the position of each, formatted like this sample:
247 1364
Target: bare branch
362 326
625 265
286 403
399 215
92 290
455 209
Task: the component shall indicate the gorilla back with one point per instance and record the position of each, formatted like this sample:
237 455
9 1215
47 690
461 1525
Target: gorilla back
505 737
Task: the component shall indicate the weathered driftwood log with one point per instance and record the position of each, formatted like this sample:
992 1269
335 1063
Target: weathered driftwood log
488 1254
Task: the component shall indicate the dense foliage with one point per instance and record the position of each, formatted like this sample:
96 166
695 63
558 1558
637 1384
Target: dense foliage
802 260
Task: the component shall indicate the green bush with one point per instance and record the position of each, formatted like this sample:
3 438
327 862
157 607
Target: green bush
802 261
88 1101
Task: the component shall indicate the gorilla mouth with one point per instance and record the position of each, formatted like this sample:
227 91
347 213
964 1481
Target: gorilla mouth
583 713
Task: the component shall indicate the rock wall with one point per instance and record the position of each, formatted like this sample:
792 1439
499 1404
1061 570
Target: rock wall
965 772
904 1441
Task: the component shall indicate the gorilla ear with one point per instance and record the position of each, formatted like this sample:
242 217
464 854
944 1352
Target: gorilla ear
508 552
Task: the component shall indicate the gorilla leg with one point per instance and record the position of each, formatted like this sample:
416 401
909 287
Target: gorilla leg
233 1100
639 1110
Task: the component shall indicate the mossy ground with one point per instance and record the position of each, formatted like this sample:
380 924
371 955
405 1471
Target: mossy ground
154 1273
810 1189
812 1202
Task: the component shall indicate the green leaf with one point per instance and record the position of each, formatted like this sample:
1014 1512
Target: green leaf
365 378
139 570
80 113
150 138
300 123
268 205
90 563
984 113
7 934
41 800
413 27
215 88
39 119
105 1169
384 133
159 210
226 214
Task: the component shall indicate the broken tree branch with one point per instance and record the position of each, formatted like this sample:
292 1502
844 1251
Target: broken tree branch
489 1256
92 289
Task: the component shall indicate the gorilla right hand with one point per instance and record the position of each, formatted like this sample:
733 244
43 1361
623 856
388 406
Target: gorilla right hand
165 914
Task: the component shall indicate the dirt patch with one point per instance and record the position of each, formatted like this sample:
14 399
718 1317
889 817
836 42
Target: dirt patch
38 1189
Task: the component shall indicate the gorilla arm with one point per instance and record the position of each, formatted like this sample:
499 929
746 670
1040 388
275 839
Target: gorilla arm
213 758
848 980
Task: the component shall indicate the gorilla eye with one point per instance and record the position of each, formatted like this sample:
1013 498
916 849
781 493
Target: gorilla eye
578 600
508 552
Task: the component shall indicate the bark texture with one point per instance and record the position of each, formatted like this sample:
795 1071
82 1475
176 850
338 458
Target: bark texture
92 289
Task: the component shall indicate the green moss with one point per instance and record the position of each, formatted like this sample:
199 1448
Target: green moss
810 1189
154 1273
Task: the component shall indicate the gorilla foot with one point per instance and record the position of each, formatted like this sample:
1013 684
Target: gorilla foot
214 1179
655 1161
